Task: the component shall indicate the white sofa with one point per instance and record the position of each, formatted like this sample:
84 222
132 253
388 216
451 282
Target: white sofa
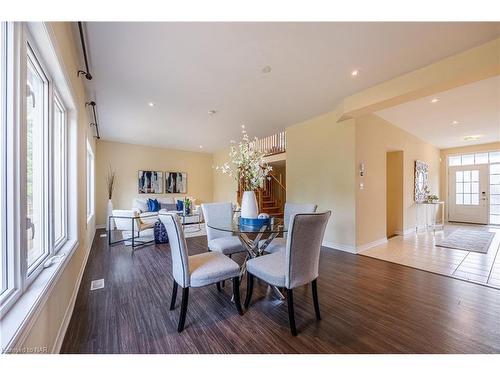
141 206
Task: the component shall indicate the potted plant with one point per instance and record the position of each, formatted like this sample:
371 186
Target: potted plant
247 166
432 198
187 206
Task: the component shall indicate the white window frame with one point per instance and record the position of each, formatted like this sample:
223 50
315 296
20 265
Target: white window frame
90 182
34 269
11 187
3 158
58 243
21 303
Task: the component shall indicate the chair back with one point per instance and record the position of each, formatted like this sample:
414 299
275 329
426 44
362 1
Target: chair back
303 247
220 213
123 220
297 208
178 248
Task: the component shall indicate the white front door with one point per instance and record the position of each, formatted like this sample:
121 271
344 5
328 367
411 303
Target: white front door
468 188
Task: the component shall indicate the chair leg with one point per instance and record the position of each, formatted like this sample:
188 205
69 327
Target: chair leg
174 296
291 313
314 285
218 287
236 294
248 297
184 305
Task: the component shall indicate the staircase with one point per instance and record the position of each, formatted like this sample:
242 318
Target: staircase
272 196
271 206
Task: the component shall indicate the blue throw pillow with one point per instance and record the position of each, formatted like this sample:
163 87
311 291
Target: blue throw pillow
180 205
153 205
150 205
156 205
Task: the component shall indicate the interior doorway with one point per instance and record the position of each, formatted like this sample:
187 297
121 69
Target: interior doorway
394 193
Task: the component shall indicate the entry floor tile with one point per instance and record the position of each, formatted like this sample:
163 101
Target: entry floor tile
420 251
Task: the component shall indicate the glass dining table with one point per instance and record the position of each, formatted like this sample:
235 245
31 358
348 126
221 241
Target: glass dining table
254 239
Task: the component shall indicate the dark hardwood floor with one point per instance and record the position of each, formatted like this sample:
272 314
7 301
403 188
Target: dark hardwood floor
367 306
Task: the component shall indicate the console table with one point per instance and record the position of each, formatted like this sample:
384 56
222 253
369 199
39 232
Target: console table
430 209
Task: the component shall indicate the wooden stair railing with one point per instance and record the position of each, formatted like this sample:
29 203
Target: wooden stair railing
272 145
271 197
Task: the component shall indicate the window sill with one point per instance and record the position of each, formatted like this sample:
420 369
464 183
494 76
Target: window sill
18 320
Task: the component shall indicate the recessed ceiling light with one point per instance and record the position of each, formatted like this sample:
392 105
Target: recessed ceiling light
435 100
212 112
243 126
455 122
151 104
266 69
201 146
472 137
355 73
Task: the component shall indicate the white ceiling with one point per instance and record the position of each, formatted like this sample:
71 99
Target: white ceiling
187 69
476 108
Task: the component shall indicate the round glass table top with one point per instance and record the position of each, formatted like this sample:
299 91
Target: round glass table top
233 226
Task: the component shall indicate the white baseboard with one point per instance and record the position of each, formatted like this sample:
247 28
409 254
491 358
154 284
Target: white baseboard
69 310
369 245
100 226
406 232
340 246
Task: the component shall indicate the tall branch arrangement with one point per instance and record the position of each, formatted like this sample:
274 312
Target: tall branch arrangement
246 164
110 181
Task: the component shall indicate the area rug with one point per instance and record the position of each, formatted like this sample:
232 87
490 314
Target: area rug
469 240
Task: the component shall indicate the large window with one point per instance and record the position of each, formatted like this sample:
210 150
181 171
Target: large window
90 182
3 107
34 157
37 108
474 159
495 191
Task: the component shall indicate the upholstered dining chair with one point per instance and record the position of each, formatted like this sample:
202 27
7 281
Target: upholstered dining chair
278 244
296 266
221 241
196 270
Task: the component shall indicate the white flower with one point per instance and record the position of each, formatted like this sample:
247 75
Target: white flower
247 165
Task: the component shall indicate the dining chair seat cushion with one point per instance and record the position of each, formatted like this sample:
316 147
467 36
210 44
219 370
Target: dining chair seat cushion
278 244
269 268
212 267
226 245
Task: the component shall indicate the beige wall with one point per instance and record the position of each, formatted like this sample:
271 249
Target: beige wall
127 159
225 188
395 192
54 312
320 169
466 67
444 163
374 138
